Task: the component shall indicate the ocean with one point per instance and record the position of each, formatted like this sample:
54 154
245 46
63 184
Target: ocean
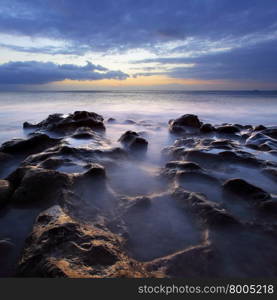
254 107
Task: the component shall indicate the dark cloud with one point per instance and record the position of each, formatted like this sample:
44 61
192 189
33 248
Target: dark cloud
257 62
123 24
34 72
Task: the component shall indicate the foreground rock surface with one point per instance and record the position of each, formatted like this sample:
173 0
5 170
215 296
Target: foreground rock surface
205 208
61 247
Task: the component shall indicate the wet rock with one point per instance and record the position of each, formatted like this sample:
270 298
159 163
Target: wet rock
133 141
271 172
208 213
180 124
5 191
228 129
111 120
37 186
194 262
129 122
69 123
223 144
96 172
5 248
59 246
183 165
259 128
271 132
207 128
245 190
262 142
83 133
196 176
269 206
34 144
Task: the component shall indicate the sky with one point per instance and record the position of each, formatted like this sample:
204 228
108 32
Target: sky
138 44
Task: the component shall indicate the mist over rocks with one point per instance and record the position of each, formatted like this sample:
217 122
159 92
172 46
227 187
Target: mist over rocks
137 206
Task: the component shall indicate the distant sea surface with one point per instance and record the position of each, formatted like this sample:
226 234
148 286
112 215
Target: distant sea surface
247 107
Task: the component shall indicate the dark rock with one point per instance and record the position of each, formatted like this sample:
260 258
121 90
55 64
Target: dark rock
194 262
245 190
259 128
5 248
271 172
207 128
69 123
183 165
36 186
130 122
180 124
83 133
61 247
208 213
269 206
228 129
271 132
133 141
5 191
96 171
111 120
34 144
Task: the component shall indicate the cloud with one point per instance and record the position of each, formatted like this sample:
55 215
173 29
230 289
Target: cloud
124 24
35 72
256 62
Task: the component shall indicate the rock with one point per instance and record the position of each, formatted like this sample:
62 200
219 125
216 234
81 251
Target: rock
59 246
223 144
130 122
5 248
96 172
5 191
194 262
69 123
83 133
245 190
208 213
207 128
37 186
196 176
34 144
111 120
271 172
259 128
227 129
183 165
262 142
180 124
269 207
271 132
133 141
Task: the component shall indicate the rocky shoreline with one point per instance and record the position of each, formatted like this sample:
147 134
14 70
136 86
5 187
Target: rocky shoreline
204 219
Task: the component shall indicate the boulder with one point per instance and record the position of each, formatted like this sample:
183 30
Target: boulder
227 129
69 123
206 212
180 124
134 142
207 128
245 190
37 186
34 144
5 191
59 246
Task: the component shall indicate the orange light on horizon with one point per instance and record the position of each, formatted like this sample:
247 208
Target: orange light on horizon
139 81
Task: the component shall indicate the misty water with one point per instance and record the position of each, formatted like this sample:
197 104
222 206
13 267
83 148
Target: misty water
163 228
